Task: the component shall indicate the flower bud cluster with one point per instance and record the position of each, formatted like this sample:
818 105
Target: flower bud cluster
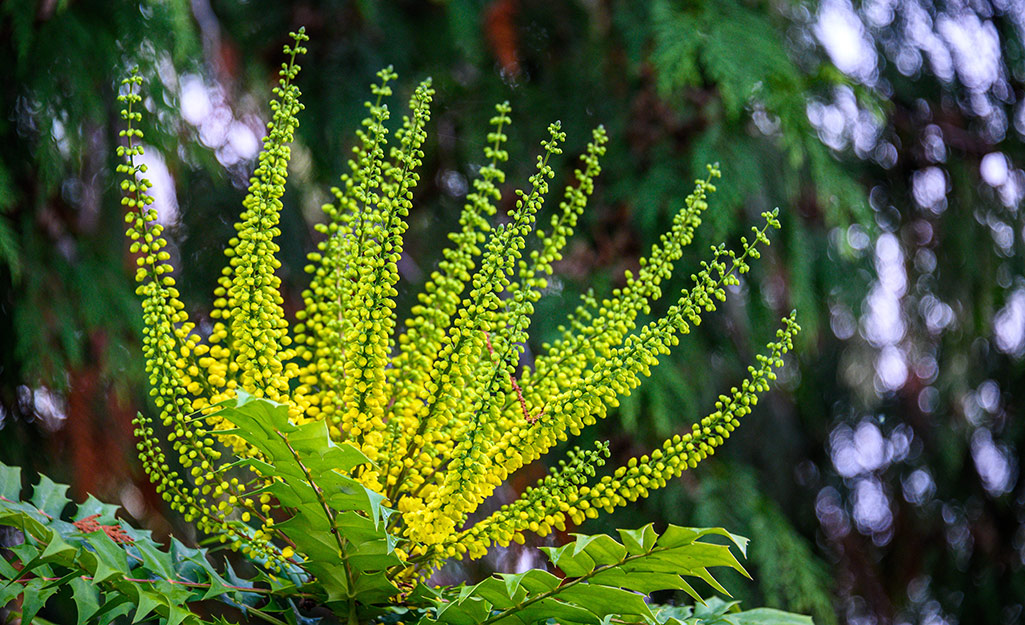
425 332
185 374
681 452
440 406
595 327
459 416
539 509
586 397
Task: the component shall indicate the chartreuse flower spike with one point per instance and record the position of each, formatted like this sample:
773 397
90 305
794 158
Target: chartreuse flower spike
427 416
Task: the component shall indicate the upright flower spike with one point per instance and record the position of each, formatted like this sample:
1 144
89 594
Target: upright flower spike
365 398
258 327
533 276
438 303
439 408
474 386
326 339
595 328
169 347
249 344
537 509
681 452
470 443
548 506
363 341
587 398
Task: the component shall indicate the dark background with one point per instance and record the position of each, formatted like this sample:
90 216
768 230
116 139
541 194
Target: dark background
880 482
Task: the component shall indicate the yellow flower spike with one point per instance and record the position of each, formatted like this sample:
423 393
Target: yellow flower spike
441 408
179 368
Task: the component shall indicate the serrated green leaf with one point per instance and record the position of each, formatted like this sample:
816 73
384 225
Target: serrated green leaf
468 611
714 608
177 614
153 559
711 581
373 556
26 553
332 578
539 580
512 582
35 596
499 593
243 598
218 586
374 587
273 414
343 494
111 560
375 506
562 612
357 528
642 581
639 540
107 512
676 536
605 600
604 577
10 482
115 605
6 570
86 598
146 604
672 615
312 438
57 549
603 549
769 616
49 496
9 592
572 565
423 594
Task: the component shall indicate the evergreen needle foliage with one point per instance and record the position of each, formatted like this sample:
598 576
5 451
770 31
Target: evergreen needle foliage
344 452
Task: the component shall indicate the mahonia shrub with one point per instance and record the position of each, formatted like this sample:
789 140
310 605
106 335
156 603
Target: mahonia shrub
343 453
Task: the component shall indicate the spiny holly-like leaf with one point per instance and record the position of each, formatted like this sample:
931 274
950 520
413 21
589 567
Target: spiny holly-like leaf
115 605
147 602
715 611
309 474
36 594
58 549
110 557
604 579
91 506
134 574
639 540
87 598
49 497
10 482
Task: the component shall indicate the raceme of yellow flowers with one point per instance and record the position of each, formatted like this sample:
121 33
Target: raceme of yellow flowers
439 403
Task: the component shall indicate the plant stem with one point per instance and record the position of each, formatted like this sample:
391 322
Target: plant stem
331 523
555 591
266 617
